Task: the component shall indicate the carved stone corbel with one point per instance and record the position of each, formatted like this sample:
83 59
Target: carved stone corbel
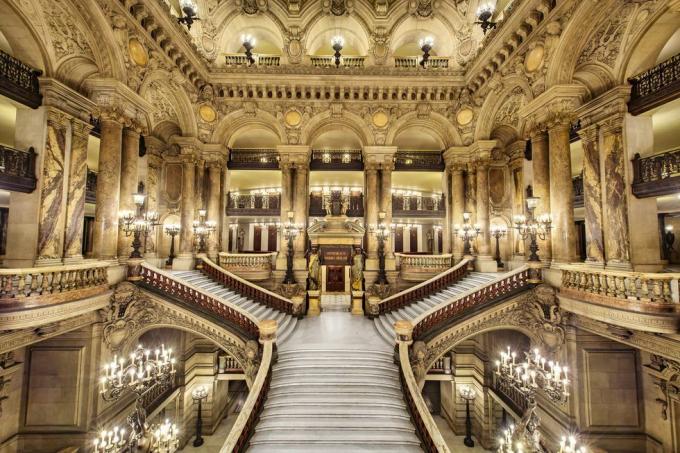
129 310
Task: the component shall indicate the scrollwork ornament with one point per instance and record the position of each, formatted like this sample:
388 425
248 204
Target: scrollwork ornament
128 311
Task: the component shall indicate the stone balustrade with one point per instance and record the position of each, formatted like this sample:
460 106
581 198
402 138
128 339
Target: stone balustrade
328 61
260 60
414 62
250 266
61 283
638 290
418 268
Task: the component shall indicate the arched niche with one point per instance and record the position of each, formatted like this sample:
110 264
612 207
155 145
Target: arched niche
266 33
659 42
323 31
417 138
408 33
254 137
18 40
336 138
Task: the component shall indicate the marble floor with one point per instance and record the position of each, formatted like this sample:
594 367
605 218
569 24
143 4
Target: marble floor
455 442
214 442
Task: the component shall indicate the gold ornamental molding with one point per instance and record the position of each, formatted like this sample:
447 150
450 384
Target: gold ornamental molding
612 105
56 94
558 101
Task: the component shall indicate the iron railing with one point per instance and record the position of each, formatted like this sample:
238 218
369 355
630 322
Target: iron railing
419 161
17 169
340 159
656 175
268 204
19 81
254 159
418 206
656 86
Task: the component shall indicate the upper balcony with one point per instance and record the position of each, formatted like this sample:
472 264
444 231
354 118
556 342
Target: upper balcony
407 203
265 202
253 159
19 81
336 201
656 175
17 169
655 87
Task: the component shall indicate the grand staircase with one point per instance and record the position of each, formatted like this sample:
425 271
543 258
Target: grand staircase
285 321
385 323
335 388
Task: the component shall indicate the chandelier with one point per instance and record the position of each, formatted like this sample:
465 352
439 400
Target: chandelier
190 13
165 438
110 441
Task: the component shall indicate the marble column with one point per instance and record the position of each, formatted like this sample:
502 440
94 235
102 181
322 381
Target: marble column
200 188
213 204
517 174
129 181
52 213
153 177
457 205
75 210
540 158
616 234
188 208
592 195
386 202
484 241
561 193
301 206
286 203
471 192
108 190
371 172
447 232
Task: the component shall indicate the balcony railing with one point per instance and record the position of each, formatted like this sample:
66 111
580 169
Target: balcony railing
334 160
260 60
418 268
419 161
412 62
336 203
253 159
418 206
328 61
17 169
578 191
254 204
91 187
19 81
657 175
250 266
656 86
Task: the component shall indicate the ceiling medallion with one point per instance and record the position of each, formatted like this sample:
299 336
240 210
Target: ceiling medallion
293 118
138 53
465 117
534 59
207 113
380 119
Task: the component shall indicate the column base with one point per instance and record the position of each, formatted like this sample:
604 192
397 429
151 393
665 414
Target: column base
619 265
486 264
358 303
314 299
77 259
47 262
183 262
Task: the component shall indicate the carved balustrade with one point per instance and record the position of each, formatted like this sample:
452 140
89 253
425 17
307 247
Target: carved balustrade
254 204
510 395
250 266
656 86
656 175
413 62
261 59
155 395
337 159
405 205
19 81
328 61
249 290
335 202
253 159
652 292
17 169
423 290
434 320
418 268
244 427
51 285
166 284
419 161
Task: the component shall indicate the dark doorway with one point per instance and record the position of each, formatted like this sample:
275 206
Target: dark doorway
257 238
335 280
272 235
399 240
413 232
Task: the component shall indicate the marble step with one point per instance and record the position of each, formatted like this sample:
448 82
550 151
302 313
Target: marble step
316 369
346 388
333 379
330 436
356 422
368 409
333 353
347 359
333 398
320 446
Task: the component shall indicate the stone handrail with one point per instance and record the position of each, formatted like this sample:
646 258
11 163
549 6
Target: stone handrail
61 283
251 266
167 284
248 289
437 317
243 428
428 432
418 292
414 62
417 268
327 61
260 59
639 290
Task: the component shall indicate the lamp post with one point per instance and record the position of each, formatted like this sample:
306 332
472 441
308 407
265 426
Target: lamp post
484 15
190 13
338 42
497 232
172 231
426 46
249 44
467 232
138 223
533 228
290 232
468 394
381 232
203 229
198 395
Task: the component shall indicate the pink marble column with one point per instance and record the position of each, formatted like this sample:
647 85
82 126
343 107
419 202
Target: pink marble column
75 211
540 159
188 214
616 232
108 190
484 241
215 208
129 181
592 195
561 193
457 205
52 214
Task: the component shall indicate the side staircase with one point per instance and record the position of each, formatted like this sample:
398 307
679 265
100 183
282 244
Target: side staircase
385 323
285 321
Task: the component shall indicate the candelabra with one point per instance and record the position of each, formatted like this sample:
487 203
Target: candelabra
203 229
112 441
144 370
172 231
533 228
569 445
190 13
249 44
468 394
338 42
138 223
484 14
290 232
165 438
467 232
381 233
199 394
426 46
497 232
